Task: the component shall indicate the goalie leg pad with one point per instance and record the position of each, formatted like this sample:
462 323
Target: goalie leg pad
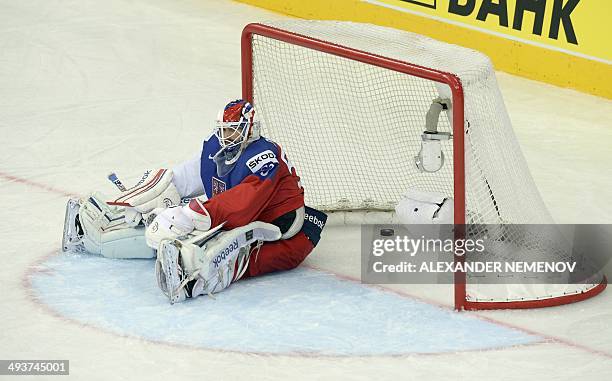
125 243
93 226
213 265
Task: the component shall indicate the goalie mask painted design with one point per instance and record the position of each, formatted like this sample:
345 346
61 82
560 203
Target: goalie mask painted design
235 129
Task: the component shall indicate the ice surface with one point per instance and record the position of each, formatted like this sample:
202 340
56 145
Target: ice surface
301 311
89 87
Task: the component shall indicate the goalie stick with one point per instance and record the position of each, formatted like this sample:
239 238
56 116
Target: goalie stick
115 180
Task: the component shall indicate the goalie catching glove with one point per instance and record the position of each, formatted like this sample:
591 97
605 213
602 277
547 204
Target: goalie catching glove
154 191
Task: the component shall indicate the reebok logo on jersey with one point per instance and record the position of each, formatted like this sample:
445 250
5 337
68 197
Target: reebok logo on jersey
311 218
263 162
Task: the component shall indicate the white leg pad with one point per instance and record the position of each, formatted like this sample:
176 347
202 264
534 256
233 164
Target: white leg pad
213 265
107 234
215 262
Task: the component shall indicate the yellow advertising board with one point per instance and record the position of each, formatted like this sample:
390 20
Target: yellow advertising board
563 42
577 27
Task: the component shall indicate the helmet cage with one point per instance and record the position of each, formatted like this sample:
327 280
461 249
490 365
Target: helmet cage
235 134
232 134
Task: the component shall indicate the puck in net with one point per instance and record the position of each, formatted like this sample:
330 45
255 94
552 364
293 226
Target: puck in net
387 232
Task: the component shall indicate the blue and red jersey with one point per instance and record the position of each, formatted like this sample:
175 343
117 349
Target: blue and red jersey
262 184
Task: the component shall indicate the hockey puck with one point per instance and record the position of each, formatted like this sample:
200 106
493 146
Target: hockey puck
386 232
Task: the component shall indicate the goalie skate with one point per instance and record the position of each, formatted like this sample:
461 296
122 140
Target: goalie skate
171 278
169 273
72 239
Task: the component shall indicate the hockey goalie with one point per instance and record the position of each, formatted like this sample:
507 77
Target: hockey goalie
245 215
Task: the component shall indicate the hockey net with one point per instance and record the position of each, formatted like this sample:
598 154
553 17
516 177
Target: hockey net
348 102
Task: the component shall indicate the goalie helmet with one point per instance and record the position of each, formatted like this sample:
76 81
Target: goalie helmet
235 129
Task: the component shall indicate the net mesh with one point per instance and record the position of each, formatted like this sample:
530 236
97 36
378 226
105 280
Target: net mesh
353 130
